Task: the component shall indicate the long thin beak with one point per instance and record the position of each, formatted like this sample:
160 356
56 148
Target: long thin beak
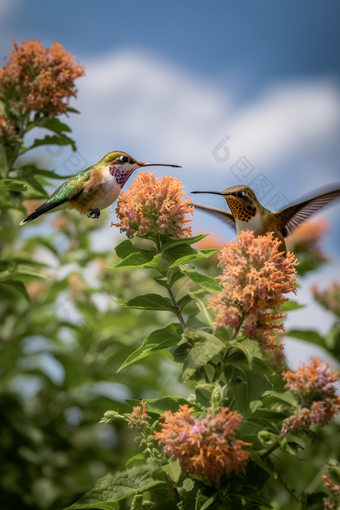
210 192
157 164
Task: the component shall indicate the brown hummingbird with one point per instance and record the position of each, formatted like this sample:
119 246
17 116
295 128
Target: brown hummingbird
248 214
94 188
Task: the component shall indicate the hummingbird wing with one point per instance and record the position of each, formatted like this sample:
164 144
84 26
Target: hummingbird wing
291 217
69 190
218 213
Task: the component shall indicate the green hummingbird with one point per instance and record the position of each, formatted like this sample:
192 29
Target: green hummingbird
248 214
94 188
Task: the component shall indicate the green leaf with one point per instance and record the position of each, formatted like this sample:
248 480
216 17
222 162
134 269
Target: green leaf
35 184
12 185
184 240
310 336
196 321
127 247
3 156
161 280
19 286
9 204
203 502
315 501
287 397
52 140
290 305
157 340
72 110
111 489
41 241
48 123
207 314
140 260
263 464
206 347
15 271
245 385
34 170
248 493
147 302
173 469
138 459
256 475
160 405
182 303
250 348
200 254
204 281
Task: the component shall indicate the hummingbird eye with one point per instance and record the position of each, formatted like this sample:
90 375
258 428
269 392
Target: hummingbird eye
124 159
240 194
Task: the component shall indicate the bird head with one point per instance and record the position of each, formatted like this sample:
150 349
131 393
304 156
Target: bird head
122 164
241 200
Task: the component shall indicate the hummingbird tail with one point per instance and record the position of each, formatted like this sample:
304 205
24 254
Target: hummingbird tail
42 209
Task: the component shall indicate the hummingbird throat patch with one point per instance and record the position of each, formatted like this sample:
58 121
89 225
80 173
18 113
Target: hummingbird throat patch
120 174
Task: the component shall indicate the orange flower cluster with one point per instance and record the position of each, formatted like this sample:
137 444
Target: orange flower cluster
154 207
138 418
332 502
329 298
39 79
307 237
313 384
255 277
205 447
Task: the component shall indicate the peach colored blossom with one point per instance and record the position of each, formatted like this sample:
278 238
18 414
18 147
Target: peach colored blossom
139 416
154 207
39 79
204 446
7 130
255 278
313 385
332 502
308 236
329 298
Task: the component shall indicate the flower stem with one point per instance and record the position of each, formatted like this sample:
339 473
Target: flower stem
270 450
10 166
236 330
174 304
175 307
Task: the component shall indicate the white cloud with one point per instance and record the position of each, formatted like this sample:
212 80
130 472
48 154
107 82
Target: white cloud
132 101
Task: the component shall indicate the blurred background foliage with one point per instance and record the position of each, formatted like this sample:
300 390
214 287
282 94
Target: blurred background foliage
63 339
60 350
61 346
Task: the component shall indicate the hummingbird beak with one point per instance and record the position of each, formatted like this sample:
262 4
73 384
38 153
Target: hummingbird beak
157 164
210 192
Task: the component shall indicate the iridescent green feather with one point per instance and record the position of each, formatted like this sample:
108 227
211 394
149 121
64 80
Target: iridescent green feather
70 188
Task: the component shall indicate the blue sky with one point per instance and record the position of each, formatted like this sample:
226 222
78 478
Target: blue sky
166 82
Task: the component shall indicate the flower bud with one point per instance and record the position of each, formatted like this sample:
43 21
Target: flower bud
110 416
218 395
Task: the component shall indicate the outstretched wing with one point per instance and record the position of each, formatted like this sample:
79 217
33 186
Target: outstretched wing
70 189
218 213
292 216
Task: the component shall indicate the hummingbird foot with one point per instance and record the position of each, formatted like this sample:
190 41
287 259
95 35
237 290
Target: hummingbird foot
94 214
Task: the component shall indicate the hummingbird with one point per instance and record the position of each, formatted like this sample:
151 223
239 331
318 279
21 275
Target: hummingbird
248 214
94 188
